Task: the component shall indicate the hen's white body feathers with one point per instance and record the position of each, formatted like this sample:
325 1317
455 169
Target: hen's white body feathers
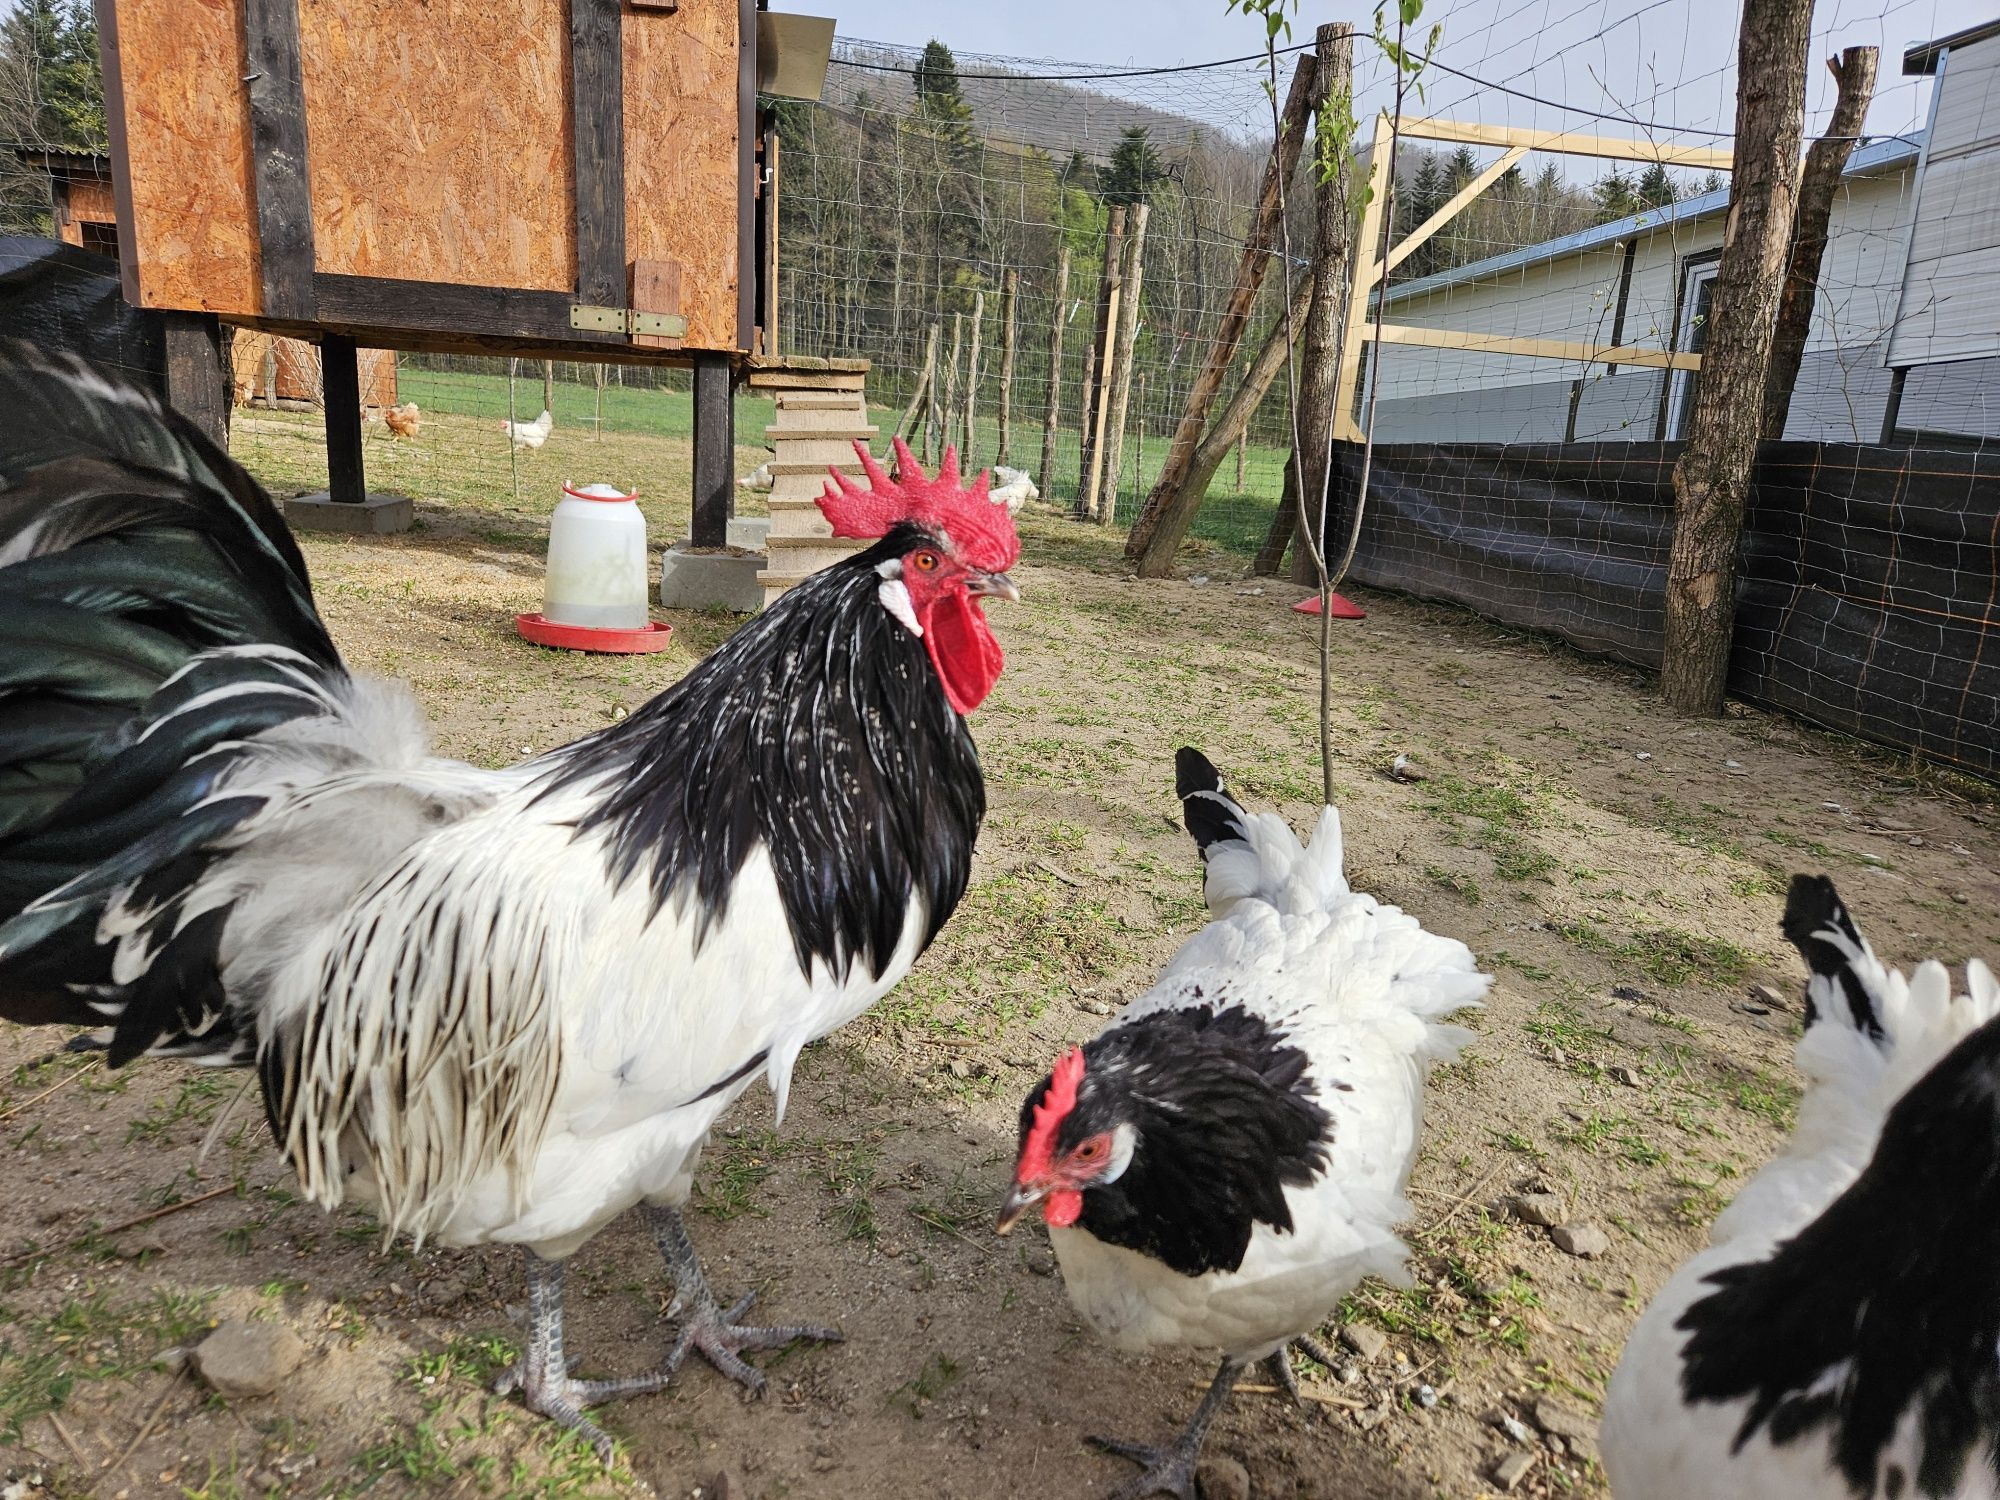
1360 987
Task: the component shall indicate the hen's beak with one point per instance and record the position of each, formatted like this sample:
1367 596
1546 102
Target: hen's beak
1022 1198
991 586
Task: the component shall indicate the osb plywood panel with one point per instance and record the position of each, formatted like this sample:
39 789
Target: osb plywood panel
90 203
187 135
439 137
680 156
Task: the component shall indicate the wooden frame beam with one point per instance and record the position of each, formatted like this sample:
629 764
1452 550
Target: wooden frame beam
1451 209
1570 143
1500 343
1366 242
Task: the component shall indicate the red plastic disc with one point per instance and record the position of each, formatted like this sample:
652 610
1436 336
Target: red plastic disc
1342 608
653 637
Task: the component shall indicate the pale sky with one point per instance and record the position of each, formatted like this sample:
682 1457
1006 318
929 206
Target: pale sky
1670 61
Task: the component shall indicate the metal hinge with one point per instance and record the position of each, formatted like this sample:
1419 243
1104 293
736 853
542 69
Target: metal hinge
587 318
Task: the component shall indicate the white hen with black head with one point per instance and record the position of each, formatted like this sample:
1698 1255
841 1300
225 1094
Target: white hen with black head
1840 1338
1227 1160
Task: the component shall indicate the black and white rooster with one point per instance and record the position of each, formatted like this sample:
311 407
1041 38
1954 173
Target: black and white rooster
1227 1160
493 1006
1840 1337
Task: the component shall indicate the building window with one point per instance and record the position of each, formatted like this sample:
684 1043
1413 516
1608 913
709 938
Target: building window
1696 303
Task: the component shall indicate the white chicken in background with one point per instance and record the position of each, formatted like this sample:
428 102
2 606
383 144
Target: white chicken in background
530 435
1227 1160
1840 1338
1013 488
759 479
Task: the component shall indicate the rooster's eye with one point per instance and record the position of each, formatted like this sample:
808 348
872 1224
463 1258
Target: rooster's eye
1091 1149
926 562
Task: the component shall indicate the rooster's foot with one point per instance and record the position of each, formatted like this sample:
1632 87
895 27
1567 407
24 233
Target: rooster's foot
706 1326
1170 1470
542 1373
1281 1362
1162 1471
721 1340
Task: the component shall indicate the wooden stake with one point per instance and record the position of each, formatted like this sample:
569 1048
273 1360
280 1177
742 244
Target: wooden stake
1139 444
1052 416
1156 534
1242 450
1712 476
950 400
965 460
1854 73
548 385
599 421
1009 290
1092 493
921 393
1130 276
1094 370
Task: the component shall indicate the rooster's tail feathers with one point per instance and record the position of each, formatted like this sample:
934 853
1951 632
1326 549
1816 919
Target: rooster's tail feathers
155 615
1849 986
1211 814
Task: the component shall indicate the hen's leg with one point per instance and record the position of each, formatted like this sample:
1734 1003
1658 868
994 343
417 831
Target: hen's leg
1281 1362
542 1373
706 1325
1170 1470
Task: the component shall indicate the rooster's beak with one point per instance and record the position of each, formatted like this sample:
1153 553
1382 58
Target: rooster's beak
991 586
1019 1201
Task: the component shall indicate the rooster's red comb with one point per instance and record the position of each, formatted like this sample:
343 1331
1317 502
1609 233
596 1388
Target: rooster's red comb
979 529
1038 1151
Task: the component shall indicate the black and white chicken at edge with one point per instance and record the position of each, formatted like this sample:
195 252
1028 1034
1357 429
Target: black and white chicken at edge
1227 1160
492 1006
1840 1337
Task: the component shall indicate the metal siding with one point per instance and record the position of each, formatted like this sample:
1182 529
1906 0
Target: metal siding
1950 306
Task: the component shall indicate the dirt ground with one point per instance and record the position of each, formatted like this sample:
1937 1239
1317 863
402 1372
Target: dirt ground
1620 872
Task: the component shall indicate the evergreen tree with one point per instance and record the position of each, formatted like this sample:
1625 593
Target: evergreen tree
1656 188
1614 196
1464 167
938 89
1712 183
51 47
1135 169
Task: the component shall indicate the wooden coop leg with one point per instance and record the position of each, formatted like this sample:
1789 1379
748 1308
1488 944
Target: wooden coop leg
340 385
197 384
714 451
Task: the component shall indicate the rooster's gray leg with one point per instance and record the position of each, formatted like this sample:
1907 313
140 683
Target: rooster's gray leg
542 1373
1170 1470
709 1327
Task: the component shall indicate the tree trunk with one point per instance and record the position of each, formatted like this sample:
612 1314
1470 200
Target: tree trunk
1130 276
1283 524
1095 369
1235 419
1320 352
1242 452
1712 478
950 382
1052 416
548 385
1854 72
1009 290
1156 534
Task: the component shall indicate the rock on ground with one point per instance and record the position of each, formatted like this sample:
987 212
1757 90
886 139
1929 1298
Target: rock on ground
242 1359
1584 1240
1220 1478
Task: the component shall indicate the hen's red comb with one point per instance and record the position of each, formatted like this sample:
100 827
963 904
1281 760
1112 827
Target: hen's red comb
1038 1152
980 530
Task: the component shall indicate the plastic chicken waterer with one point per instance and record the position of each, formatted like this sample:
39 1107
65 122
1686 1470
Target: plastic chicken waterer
595 594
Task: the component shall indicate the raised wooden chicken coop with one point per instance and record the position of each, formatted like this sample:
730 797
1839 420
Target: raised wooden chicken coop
562 178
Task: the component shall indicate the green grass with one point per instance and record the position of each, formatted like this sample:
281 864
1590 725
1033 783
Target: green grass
1665 954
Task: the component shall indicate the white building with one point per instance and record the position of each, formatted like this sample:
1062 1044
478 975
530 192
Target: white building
1905 333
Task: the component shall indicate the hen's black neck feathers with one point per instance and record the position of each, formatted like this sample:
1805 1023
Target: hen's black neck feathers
819 730
1225 1117
1888 1302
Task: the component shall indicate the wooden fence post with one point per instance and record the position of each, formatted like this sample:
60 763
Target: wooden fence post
1052 416
950 383
1156 534
1009 290
1242 451
1094 370
965 459
920 396
1130 276
1319 375
1854 74
1712 476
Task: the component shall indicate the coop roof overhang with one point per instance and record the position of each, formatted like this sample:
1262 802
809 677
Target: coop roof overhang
1921 61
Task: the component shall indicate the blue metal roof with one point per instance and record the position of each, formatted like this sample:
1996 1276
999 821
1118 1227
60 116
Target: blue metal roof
1873 156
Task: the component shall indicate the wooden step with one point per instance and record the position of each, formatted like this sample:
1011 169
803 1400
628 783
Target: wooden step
849 465
819 401
819 434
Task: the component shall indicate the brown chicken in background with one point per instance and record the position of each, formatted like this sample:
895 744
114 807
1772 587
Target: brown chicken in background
403 420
